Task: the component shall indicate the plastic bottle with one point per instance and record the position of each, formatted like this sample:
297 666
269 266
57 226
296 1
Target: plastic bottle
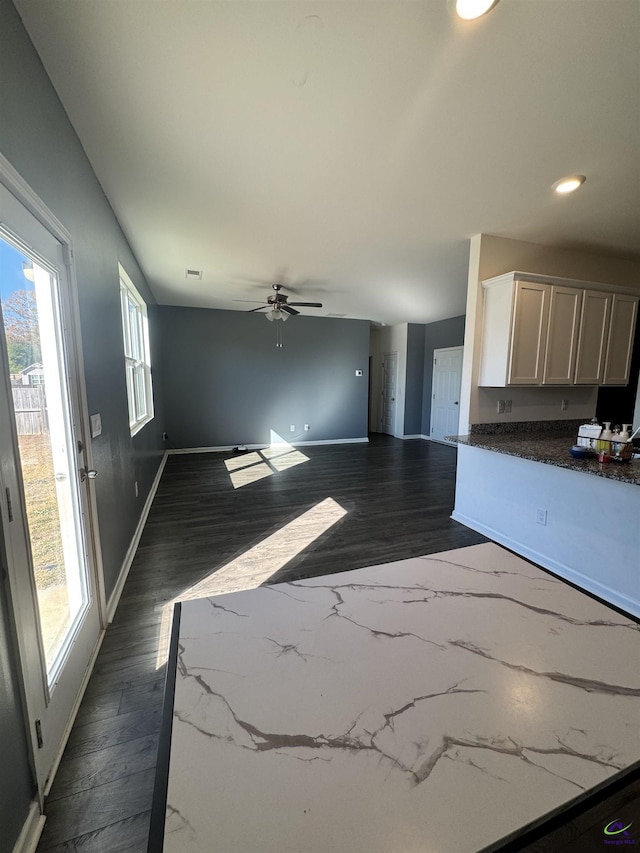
602 444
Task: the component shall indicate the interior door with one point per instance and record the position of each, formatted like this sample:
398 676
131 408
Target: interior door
44 479
389 392
445 398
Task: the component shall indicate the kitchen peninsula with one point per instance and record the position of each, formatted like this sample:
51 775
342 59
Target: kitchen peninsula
577 518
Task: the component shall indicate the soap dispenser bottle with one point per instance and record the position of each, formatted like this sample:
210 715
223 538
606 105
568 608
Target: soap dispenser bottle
605 437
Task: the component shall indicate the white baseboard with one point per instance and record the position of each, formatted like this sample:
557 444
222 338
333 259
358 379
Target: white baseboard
114 598
417 435
227 447
31 830
607 594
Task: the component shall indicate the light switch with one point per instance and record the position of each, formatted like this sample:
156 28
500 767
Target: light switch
96 426
358 373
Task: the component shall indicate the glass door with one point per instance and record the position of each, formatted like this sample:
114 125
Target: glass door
45 482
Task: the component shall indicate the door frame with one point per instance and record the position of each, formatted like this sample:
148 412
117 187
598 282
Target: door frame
18 187
460 347
381 395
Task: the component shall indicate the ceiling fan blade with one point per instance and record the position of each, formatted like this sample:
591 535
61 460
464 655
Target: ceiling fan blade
307 304
254 301
259 308
288 309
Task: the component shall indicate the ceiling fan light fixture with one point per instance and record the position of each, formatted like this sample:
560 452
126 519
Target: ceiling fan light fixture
276 314
569 184
469 10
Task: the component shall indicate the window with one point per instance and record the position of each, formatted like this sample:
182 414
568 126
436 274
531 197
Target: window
135 330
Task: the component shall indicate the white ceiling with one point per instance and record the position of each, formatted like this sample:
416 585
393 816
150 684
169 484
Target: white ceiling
351 147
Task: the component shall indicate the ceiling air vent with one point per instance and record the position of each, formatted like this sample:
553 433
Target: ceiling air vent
194 275
336 315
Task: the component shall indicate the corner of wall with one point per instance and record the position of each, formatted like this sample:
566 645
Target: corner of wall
472 337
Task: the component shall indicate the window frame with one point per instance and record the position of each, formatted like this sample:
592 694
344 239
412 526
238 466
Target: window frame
137 355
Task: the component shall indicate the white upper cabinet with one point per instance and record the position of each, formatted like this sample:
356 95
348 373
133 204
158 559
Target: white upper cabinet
562 336
624 311
541 331
529 333
514 332
592 342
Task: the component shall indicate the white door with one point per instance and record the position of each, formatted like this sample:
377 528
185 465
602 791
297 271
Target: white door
43 479
388 393
445 398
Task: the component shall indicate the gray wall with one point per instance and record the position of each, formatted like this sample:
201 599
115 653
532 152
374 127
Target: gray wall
226 383
445 333
38 140
415 377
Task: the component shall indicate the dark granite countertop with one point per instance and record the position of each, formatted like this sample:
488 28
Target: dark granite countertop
552 449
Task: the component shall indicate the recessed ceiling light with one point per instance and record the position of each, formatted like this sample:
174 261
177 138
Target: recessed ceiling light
569 184
470 9
194 275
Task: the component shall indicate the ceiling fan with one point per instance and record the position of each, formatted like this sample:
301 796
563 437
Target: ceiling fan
279 305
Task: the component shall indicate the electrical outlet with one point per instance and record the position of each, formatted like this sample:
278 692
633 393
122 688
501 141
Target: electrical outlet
307 427
136 488
564 405
500 407
507 406
292 428
541 517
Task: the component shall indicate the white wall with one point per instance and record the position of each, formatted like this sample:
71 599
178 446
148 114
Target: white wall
386 339
490 256
591 536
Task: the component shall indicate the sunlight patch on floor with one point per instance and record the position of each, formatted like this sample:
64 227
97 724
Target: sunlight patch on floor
246 476
251 467
289 460
258 564
242 461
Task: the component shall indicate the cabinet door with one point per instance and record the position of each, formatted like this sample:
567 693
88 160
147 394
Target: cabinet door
562 336
620 343
528 333
592 341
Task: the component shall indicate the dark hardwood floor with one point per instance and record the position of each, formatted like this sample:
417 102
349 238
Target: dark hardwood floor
398 496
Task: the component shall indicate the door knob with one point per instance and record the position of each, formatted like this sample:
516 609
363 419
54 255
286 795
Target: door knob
456 403
88 474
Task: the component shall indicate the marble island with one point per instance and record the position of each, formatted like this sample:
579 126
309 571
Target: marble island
441 704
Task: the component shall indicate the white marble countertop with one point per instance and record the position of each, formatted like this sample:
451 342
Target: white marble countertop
436 704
